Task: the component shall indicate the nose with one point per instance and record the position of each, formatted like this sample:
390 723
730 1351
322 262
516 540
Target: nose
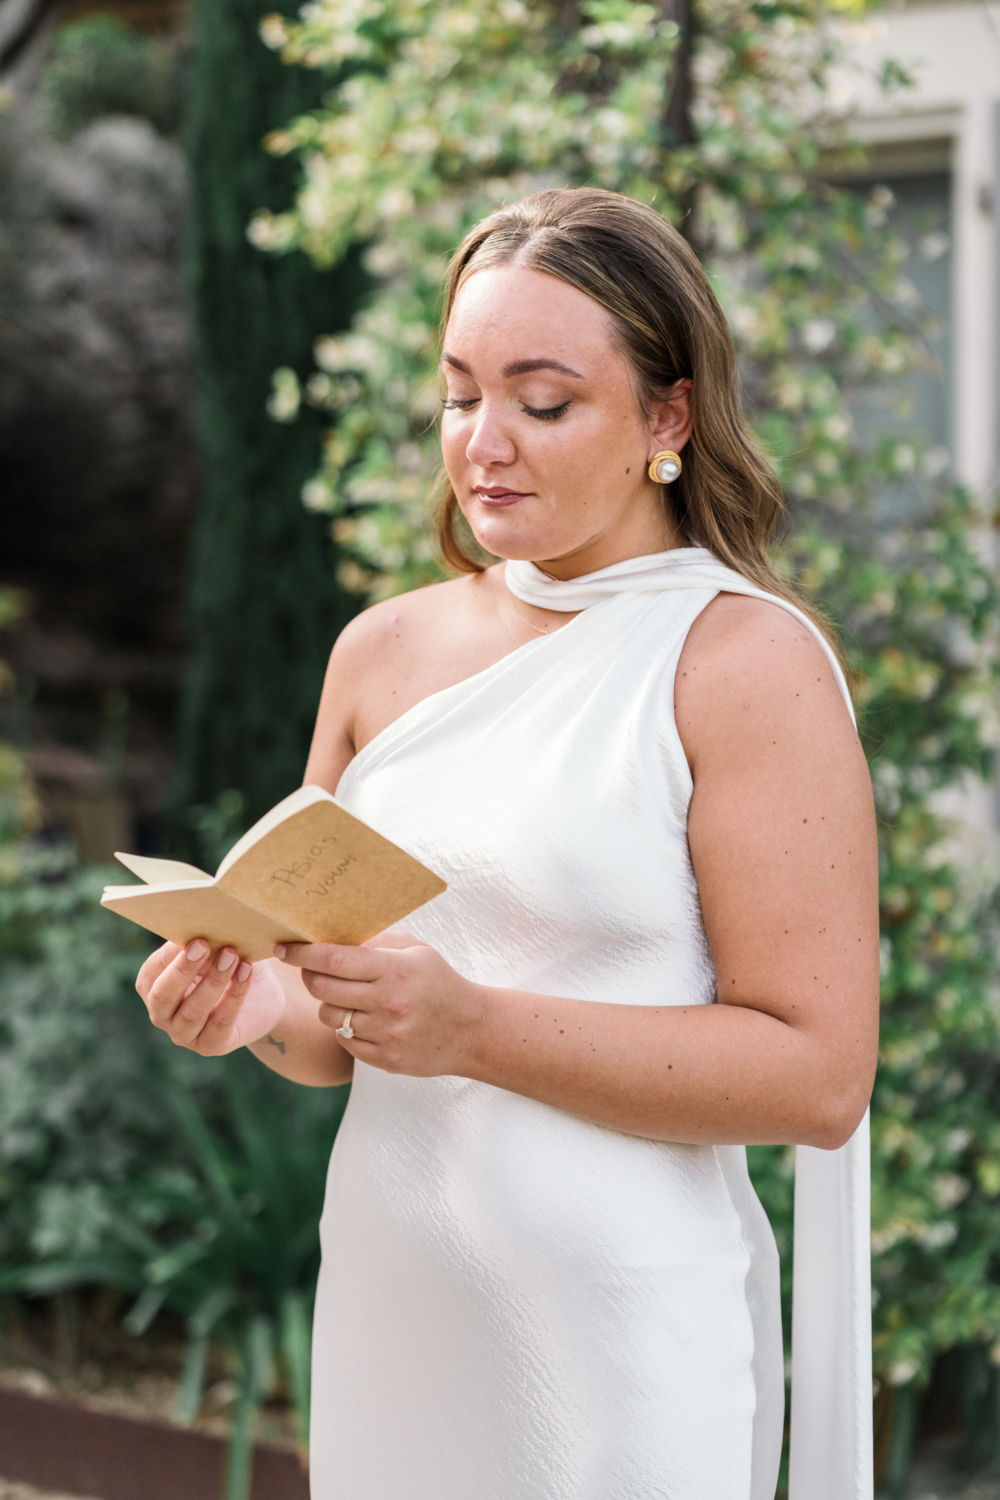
489 444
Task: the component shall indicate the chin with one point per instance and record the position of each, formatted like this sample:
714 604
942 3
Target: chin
507 539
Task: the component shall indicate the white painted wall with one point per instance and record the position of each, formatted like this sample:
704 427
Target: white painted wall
953 53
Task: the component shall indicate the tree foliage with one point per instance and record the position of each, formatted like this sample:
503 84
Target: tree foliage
265 607
100 67
438 112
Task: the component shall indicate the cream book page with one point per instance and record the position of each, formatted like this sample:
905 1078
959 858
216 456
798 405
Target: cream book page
308 871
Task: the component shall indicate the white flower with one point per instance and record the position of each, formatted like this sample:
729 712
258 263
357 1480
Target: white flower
806 257
286 397
396 203
937 1235
274 32
745 320
948 1189
837 427
316 495
818 334
932 246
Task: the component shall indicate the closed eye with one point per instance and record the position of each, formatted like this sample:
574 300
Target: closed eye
546 413
540 413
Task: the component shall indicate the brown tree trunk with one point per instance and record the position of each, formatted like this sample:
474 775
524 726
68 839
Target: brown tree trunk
677 120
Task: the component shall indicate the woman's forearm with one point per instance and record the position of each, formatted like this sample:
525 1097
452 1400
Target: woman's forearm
741 1071
699 1074
299 1046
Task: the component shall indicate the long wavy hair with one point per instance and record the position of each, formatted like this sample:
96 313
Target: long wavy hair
669 326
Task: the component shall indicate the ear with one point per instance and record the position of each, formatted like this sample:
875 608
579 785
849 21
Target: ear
670 419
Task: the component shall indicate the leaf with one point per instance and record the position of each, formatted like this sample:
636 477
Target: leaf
296 1348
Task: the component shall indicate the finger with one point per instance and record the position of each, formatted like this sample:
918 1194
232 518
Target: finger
217 1030
195 1008
154 967
357 1045
335 1016
176 980
347 993
337 959
195 966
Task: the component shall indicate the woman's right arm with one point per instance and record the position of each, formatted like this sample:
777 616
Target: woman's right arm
213 1003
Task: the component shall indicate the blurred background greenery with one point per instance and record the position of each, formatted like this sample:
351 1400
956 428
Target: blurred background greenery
221 240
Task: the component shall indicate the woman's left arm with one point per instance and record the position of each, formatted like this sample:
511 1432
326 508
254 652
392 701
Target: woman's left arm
782 837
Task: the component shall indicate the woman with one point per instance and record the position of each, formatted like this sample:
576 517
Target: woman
629 752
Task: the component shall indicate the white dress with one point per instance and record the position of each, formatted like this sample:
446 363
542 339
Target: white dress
515 1303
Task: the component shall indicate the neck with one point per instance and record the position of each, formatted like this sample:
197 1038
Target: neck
647 530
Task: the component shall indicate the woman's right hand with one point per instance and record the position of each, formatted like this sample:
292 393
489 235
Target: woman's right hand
212 1003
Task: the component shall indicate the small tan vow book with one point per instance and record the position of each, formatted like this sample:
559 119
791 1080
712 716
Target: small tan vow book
308 872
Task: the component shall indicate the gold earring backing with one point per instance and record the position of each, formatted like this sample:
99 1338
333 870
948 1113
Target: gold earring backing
665 467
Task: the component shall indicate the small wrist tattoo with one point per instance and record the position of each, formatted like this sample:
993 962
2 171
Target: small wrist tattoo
272 1041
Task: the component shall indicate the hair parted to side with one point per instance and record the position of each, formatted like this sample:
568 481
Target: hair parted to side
669 327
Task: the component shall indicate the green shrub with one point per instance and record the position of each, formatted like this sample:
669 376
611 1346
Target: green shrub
194 1184
99 67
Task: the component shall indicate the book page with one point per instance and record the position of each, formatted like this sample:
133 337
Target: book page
330 875
194 909
160 871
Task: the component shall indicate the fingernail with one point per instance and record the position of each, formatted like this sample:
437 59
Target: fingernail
197 950
225 960
279 950
243 972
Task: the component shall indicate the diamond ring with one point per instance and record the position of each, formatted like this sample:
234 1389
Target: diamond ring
346 1030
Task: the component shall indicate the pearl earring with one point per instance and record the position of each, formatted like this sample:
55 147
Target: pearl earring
665 467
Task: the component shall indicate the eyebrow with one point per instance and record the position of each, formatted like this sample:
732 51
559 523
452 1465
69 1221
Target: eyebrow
519 366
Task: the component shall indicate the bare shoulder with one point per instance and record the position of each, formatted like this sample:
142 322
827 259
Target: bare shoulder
395 624
387 659
750 670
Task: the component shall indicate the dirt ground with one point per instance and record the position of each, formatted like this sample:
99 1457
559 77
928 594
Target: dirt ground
11 1490
934 1478
77 1348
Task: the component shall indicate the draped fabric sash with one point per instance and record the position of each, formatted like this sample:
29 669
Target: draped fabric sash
831 1414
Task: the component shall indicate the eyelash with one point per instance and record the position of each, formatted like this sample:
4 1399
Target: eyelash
543 414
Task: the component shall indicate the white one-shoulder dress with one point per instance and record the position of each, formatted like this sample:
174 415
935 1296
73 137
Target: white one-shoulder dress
515 1303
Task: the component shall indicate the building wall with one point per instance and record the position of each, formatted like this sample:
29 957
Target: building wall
946 123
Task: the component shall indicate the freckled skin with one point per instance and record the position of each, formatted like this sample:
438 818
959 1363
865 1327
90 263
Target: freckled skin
781 827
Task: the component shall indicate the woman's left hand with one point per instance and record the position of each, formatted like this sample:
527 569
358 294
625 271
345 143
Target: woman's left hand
411 1012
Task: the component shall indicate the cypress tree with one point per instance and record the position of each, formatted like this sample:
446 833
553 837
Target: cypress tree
265 607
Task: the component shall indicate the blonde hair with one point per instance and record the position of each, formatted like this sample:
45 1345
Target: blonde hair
670 327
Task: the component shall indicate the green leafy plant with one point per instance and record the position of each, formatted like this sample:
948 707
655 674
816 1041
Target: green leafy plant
99 66
195 1185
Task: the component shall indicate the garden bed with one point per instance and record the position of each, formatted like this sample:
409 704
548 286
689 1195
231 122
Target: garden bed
85 1409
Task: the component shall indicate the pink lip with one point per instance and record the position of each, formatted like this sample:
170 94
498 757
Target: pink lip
496 495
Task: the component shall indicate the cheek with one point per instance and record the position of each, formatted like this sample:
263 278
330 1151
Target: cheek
577 456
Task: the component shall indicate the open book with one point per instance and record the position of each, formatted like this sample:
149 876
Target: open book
307 872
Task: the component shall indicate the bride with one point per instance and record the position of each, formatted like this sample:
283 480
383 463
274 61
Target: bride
629 750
